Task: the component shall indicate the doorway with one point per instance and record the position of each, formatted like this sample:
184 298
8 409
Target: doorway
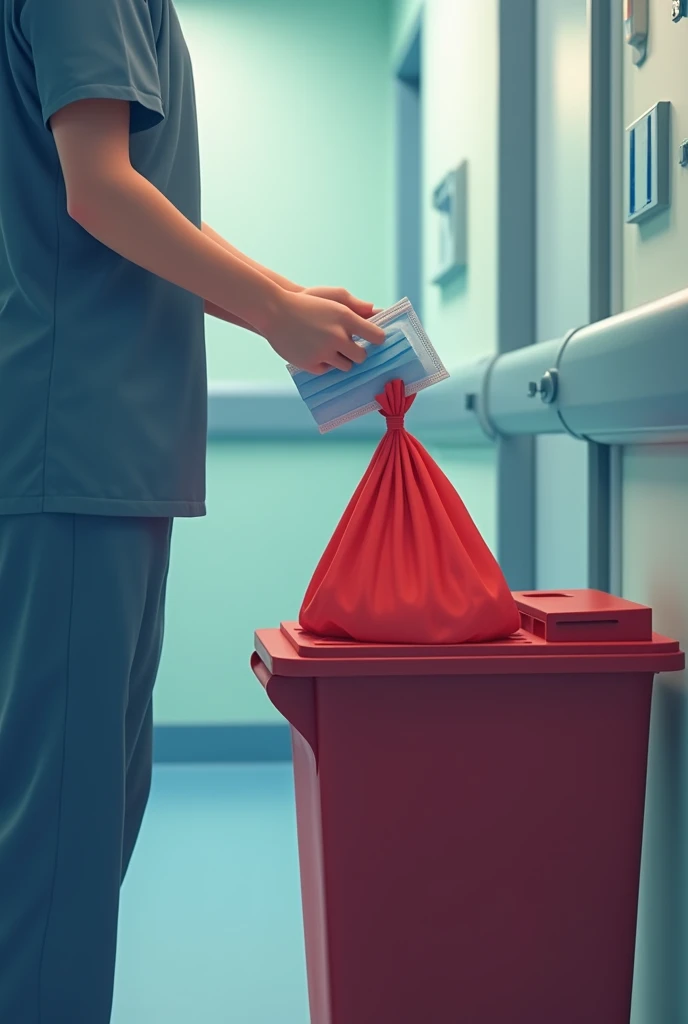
409 171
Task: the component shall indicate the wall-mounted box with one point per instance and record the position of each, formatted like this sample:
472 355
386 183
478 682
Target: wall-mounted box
648 154
450 201
636 20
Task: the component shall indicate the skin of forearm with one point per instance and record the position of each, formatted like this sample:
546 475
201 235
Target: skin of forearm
129 215
229 318
283 282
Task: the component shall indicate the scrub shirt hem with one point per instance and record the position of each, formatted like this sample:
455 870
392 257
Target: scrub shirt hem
101 506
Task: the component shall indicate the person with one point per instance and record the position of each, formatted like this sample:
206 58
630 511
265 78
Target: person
106 271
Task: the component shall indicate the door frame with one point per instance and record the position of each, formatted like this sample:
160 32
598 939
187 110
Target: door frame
516 274
517 297
600 19
408 79
616 297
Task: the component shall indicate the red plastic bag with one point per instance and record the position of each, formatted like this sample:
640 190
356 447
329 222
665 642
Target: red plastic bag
406 563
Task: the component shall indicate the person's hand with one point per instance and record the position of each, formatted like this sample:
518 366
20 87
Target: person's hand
315 333
345 298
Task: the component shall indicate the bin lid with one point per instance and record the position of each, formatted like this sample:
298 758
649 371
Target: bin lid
562 631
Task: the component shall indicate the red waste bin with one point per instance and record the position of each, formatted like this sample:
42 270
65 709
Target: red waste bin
470 818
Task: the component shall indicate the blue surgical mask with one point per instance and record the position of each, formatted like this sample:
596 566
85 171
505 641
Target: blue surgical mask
338 396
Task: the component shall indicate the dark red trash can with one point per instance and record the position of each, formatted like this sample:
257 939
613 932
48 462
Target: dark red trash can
470 818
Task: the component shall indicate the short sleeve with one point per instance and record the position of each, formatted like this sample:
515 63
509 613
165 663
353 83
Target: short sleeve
94 49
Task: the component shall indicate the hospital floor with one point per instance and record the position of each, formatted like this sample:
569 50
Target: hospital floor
210 924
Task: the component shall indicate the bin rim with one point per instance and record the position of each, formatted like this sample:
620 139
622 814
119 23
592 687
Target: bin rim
532 655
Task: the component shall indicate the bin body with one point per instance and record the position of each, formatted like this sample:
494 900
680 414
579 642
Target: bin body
470 821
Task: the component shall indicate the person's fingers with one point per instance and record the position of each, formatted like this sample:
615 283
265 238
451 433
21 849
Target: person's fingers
344 298
361 308
339 295
340 362
356 353
369 332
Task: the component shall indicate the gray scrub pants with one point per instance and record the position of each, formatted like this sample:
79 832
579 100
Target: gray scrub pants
81 626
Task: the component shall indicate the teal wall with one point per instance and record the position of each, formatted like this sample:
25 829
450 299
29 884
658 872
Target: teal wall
653 526
655 572
403 17
272 509
459 103
294 103
563 226
296 114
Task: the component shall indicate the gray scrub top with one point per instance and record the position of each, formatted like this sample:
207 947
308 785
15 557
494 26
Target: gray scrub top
103 385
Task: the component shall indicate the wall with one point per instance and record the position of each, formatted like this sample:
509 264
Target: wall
272 509
294 101
246 566
459 122
296 145
655 572
655 261
655 558
459 99
296 118
404 14
563 268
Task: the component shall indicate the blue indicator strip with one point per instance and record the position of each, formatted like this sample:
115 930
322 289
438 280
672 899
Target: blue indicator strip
632 173
649 160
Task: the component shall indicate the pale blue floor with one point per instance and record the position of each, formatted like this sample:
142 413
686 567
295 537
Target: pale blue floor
210 927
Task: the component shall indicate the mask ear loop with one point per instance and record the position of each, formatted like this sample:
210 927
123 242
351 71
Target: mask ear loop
440 369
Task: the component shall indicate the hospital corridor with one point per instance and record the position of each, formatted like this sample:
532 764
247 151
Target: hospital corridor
420 723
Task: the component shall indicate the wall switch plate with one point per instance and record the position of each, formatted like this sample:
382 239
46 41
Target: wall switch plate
450 200
636 20
647 163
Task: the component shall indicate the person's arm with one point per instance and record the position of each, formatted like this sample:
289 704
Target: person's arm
222 314
124 211
228 318
283 282
341 295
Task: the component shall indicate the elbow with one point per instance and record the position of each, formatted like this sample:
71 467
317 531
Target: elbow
77 213
90 200
80 209
98 205
93 215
